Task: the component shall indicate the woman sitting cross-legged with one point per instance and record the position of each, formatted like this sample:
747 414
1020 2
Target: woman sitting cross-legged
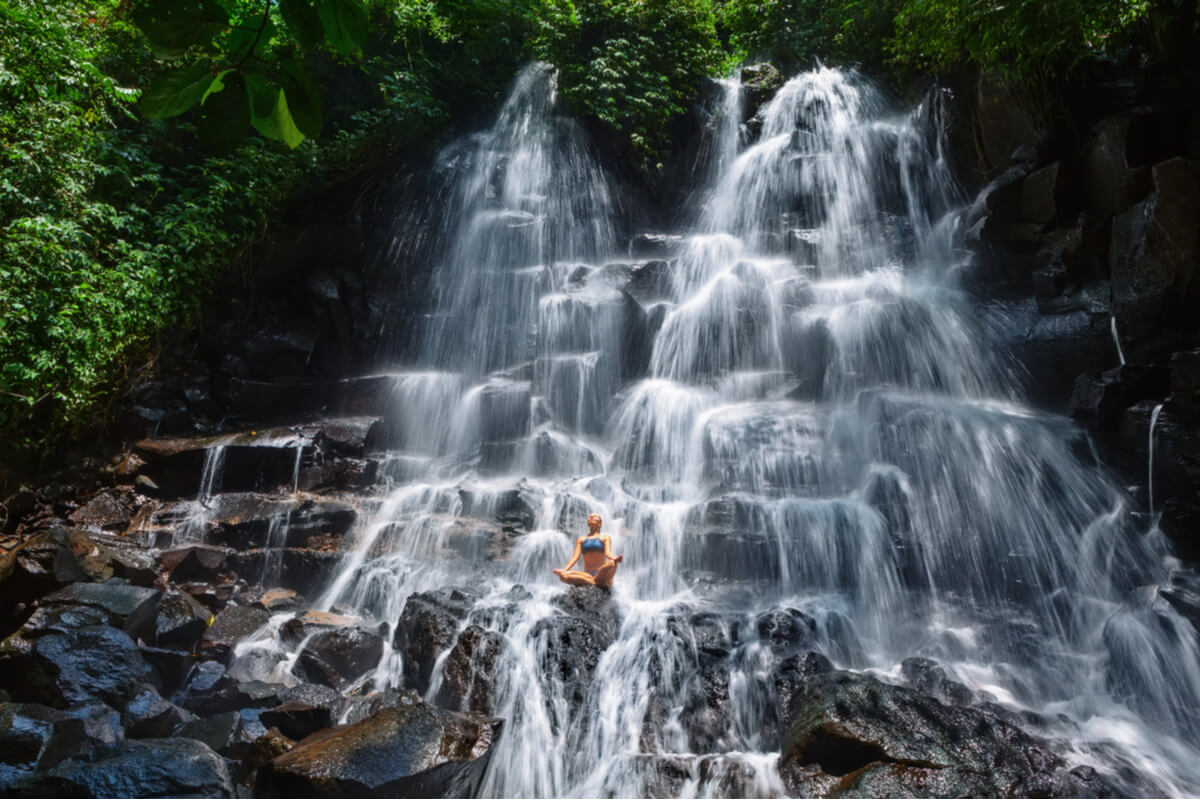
599 563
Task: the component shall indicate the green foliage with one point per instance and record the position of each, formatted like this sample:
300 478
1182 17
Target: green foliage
1022 40
632 64
793 34
113 227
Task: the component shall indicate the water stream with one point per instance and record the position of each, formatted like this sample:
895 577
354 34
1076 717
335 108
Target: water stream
792 408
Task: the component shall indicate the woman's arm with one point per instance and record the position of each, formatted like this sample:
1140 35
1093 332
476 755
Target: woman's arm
575 556
608 553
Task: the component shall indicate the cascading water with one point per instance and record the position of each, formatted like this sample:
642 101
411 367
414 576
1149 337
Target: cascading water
800 415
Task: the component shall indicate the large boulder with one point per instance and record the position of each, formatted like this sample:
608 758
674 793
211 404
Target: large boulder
337 650
37 737
571 643
851 735
406 751
174 767
132 608
469 673
1155 246
230 627
61 668
428 627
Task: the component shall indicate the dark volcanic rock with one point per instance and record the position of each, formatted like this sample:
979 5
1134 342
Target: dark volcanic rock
786 631
223 732
1155 246
469 671
195 562
427 627
181 621
131 608
929 678
37 737
338 650
850 735
573 642
146 768
230 627
148 715
296 720
63 668
104 511
408 751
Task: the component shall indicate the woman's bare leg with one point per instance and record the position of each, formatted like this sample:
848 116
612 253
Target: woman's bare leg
605 575
575 577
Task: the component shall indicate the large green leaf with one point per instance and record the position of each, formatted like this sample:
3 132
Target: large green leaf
225 115
303 100
178 24
246 37
174 92
263 96
345 23
279 124
303 21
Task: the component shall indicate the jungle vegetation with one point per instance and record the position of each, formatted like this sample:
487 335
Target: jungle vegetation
146 144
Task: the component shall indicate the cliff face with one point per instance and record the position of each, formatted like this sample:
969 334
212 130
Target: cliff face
1086 237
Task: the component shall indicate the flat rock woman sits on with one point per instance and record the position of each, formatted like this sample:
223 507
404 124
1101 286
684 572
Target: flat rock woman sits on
599 563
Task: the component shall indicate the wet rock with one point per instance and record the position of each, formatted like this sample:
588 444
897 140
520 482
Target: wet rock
1038 193
196 562
353 436
221 732
171 667
104 511
228 628
1109 184
365 706
1155 245
1099 401
275 600
266 747
1003 125
214 597
929 678
654 245
881 739
315 696
250 520
210 689
409 751
651 281
303 569
181 621
427 627
469 672
173 767
786 631
296 720
340 656
16 507
131 608
37 737
354 473
573 642
259 399
63 668
147 715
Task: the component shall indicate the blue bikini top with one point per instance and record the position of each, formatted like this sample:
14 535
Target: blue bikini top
591 544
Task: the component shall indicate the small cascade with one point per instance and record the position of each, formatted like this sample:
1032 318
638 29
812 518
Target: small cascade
1117 341
1150 458
796 435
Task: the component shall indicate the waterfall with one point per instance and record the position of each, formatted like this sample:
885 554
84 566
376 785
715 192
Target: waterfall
801 414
